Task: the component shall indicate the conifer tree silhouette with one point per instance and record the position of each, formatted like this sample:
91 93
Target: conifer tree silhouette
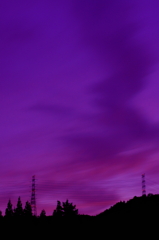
19 210
9 209
58 212
43 213
27 210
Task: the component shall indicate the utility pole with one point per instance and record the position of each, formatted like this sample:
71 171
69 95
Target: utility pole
33 200
143 185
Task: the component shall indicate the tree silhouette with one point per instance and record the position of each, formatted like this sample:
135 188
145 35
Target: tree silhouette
69 210
43 213
9 209
27 210
58 212
19 210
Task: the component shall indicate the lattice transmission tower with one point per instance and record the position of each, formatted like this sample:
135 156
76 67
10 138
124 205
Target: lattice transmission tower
143 185
33 199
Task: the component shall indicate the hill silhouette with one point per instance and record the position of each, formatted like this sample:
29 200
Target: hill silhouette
148 205
136 217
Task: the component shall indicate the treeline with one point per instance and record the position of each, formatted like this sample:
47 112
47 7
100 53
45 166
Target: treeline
117 221
64 209
148 205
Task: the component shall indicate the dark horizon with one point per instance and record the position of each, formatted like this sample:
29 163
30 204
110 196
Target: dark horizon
146 202
49 211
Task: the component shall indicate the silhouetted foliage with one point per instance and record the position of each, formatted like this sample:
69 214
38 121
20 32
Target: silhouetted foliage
43 214
150 195
9 209
1 214
27 210
67 209
18 210
117 219
58 212
144 208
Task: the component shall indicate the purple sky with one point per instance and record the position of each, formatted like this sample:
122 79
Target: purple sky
79 95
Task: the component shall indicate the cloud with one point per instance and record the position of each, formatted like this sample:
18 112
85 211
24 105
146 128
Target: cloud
121 126
51 109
